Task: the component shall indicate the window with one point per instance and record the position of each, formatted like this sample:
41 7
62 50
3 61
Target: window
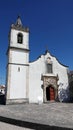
49 65
18 69
49 68
20 38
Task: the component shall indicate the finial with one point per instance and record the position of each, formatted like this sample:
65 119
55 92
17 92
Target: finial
18 22
18 16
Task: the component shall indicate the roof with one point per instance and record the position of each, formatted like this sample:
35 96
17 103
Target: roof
19 26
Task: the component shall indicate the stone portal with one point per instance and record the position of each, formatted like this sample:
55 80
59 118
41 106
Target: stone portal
50 87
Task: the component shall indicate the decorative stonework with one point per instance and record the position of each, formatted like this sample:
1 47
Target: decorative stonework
47 81
50 80
19 26
49 60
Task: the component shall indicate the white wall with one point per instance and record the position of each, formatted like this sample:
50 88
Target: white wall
38 68
18 82
18 61
13 40
18 56
35 83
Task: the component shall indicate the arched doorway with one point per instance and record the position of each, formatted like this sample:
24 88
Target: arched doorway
47 94
50 93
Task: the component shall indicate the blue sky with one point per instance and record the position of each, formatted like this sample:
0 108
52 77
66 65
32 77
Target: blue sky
50 23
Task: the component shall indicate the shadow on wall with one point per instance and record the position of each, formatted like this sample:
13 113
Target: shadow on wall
64 95
2 99
71 91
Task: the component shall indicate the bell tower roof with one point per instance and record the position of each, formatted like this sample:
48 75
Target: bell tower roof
18 25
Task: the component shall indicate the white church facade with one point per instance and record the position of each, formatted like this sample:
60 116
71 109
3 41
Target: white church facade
33 82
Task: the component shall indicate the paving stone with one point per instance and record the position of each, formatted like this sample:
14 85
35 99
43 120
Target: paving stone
50 114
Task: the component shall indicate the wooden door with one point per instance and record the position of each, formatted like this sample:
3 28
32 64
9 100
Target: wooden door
52 93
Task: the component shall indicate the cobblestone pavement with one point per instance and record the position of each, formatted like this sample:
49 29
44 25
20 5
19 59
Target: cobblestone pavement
52 114
6 126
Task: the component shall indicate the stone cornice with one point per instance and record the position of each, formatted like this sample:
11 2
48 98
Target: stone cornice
15 48
18 64
20 28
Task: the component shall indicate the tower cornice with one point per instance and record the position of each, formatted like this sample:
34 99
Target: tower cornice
20 28
15 48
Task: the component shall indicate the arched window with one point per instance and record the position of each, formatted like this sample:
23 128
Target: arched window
20 38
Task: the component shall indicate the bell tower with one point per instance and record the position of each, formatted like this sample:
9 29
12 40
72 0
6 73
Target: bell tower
17 79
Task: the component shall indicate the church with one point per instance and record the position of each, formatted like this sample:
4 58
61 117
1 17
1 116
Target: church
40 81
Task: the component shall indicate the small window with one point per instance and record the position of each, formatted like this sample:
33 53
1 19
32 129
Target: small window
18 69
49 68
20 38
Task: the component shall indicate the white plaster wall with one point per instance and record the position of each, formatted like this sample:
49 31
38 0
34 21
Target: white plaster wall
18 82
18 56
62 73
35 82
13 40
37 68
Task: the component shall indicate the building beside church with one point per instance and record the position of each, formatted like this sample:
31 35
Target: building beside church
40 81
